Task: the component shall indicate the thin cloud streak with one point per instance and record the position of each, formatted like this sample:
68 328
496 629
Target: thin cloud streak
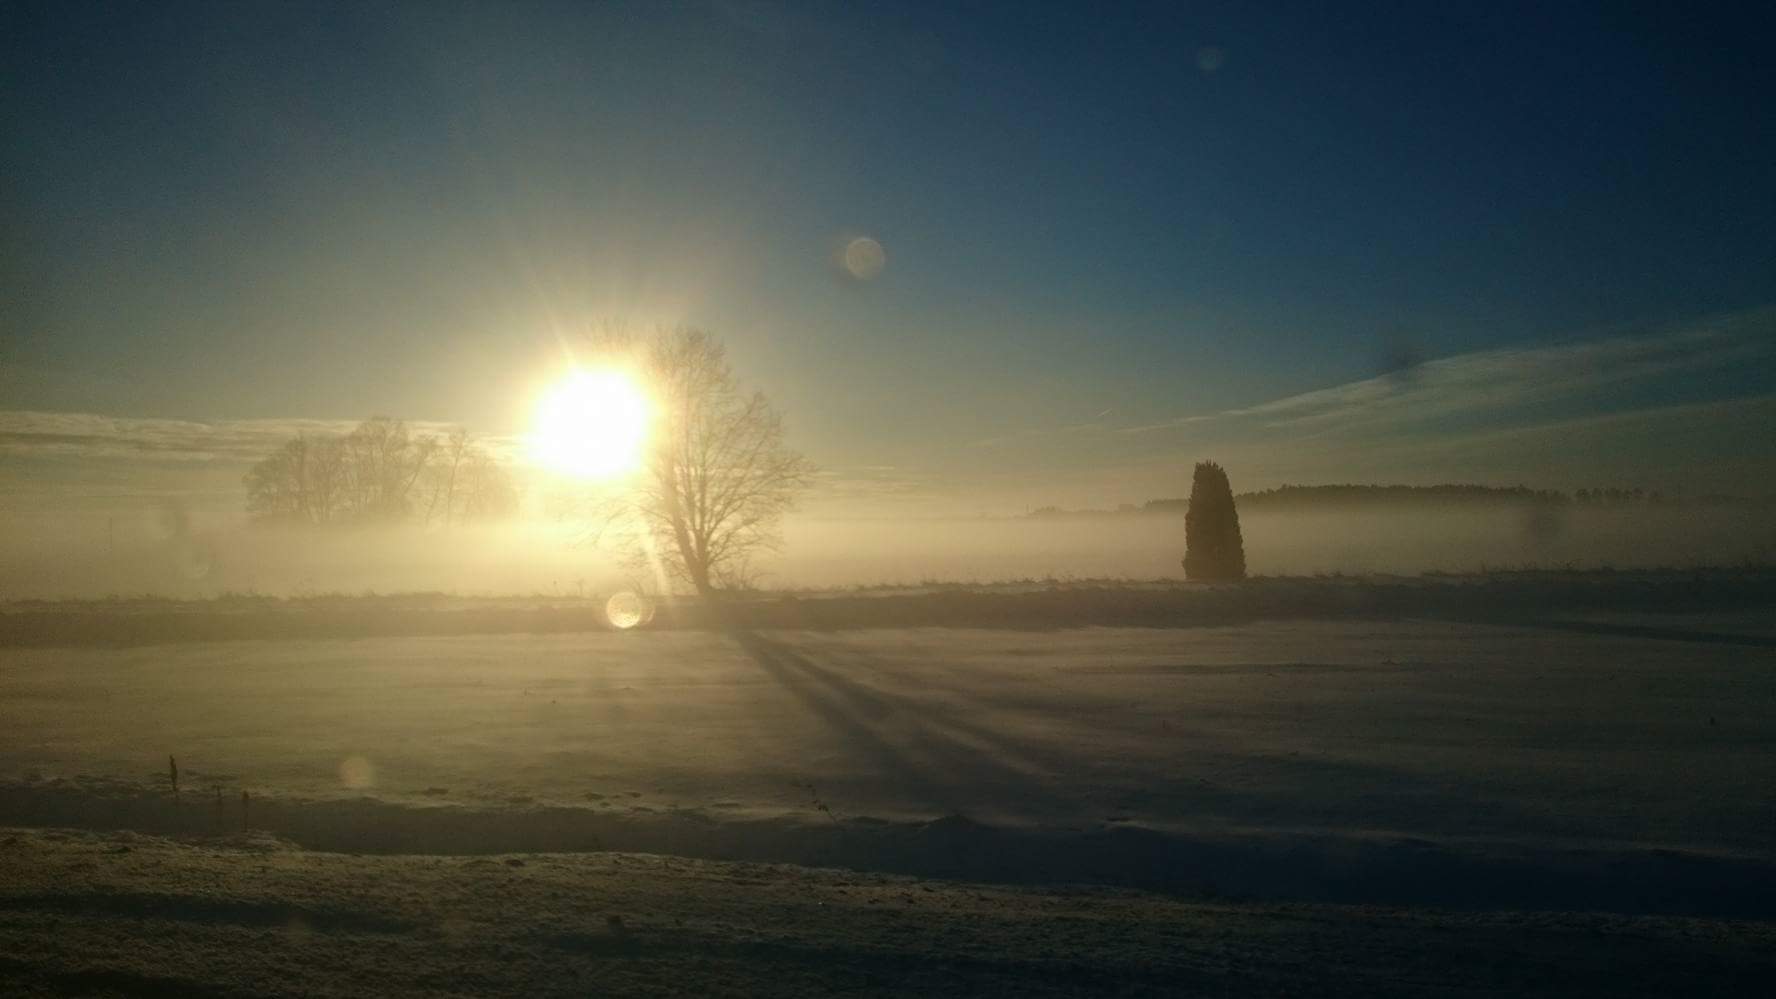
1499 385
76 436
1673 410
1626 409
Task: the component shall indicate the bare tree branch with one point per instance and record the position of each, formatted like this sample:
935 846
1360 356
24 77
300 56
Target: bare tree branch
718 476
377 473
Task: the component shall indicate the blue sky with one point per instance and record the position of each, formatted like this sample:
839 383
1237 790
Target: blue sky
1117 219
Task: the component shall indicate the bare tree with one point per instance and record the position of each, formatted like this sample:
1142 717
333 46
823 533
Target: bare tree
379 473
297 483
451 455
325 471
486 492
276 484
466 483
717 478
384 462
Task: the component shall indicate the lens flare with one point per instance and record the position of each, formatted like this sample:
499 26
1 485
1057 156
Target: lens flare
357 773
628 609
864 258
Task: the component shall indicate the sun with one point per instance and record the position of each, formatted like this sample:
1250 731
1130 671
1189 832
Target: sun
591 425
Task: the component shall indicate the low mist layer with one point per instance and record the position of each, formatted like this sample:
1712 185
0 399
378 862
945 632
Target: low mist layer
153 552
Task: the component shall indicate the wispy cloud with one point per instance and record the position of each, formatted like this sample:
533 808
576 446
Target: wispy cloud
75 436
1503 387
869 486
1685 408
1655 409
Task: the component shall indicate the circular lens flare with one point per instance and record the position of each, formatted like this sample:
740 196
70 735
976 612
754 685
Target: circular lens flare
357 773
628 609
864 258
591 425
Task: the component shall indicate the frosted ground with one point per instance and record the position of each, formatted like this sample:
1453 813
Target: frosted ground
1322 759
125 914
1345 806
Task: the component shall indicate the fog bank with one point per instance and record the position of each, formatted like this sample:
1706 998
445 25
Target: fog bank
50 556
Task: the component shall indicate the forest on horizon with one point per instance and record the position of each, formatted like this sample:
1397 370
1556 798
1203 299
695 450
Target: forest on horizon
1344 495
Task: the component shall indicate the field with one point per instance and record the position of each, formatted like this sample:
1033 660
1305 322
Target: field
1224 801
83 914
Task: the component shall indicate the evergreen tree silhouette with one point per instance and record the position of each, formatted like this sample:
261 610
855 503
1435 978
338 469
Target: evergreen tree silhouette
1213 548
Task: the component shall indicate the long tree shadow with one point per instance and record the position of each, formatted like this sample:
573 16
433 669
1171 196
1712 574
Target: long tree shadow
951 722
947 752
943 763
1617 629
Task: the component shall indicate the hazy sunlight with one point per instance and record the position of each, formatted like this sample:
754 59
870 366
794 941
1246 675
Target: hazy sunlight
591 425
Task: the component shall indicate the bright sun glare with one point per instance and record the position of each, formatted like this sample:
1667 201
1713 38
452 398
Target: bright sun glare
591 425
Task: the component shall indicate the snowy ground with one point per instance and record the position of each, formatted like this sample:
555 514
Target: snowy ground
1358 806
124 914
1342 761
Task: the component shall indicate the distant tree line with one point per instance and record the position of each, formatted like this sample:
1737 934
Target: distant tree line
1306 497
1616 497
1453 493
380 473
1467 493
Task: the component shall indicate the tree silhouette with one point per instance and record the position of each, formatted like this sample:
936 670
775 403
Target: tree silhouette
383 462
1213 548
378 473
465 483
718 476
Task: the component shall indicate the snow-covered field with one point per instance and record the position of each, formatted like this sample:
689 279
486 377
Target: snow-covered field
1362 807
1514 748
123 914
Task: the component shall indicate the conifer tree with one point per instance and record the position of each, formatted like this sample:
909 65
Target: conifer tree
1213 548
